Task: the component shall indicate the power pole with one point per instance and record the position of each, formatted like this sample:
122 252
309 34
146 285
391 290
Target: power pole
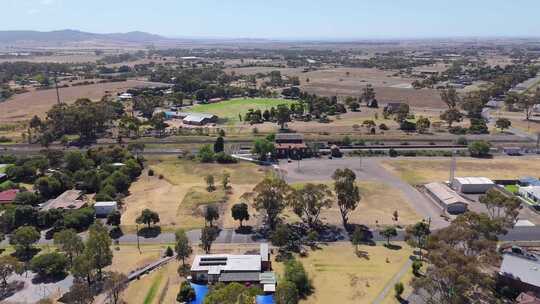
452 168
56 86
138 244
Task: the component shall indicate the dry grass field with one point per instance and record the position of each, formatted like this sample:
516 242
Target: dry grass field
23 107
179 197
421 171
378 203
339 276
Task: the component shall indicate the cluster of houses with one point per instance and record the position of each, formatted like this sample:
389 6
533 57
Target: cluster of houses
69 200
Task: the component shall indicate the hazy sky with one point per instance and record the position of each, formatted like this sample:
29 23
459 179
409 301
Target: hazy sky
339 19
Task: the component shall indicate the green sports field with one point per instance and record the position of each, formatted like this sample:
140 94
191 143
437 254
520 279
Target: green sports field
229 109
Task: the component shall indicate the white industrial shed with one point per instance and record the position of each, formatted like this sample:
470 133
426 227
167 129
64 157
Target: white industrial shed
472 184
105 208
448 199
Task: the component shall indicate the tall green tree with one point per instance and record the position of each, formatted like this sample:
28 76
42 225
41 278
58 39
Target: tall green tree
182 247
70 242
240 212
148 217
347 192
208 236
308 202
98 248
270 198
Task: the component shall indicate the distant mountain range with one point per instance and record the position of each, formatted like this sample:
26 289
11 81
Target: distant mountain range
63 37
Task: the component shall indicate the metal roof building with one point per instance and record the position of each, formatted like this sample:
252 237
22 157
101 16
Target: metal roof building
448 199
472 184
522 267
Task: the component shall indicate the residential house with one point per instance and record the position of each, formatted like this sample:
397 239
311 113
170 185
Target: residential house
228 268
8 196
69 200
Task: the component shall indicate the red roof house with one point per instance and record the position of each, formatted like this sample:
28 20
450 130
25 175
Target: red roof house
8 196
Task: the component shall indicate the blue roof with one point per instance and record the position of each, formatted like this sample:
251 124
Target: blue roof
200 293
265 299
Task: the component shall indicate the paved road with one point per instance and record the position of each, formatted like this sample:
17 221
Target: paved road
365 169
389 287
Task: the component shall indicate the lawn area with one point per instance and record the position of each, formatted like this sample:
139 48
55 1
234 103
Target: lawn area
180 195
377 205
229 109
339 276
422 171
512 188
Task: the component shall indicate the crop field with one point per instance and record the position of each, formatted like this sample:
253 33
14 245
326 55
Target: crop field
24 106
421 171
229 109
340 276
180 195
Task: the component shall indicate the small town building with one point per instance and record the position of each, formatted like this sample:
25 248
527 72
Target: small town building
521 270
199 119
392 107
290 145
105 208
529 181
527 298
512 151
125 96
69 200
472 185
228 268
531 193
8 196
447 198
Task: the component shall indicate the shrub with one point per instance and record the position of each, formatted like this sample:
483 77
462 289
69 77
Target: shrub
416 266
206 154
479 148
399 288
49 265
458 130
169 252
296 274
383 127
224 158
150 172
186 293
393 153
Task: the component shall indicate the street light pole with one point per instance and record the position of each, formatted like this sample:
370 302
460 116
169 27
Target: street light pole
138 244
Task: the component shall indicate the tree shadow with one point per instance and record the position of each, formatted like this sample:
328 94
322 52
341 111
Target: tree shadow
39 279
244 230
116 233
26 255
150 232
402 300
11 289
393 246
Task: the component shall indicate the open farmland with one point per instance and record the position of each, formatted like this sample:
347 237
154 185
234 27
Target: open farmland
421 171
24 106
229 109
340 276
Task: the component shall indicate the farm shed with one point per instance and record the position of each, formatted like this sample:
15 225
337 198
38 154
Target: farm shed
199 119
448 199
104 208
472 184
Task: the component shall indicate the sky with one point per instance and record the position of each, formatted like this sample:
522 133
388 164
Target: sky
280 19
